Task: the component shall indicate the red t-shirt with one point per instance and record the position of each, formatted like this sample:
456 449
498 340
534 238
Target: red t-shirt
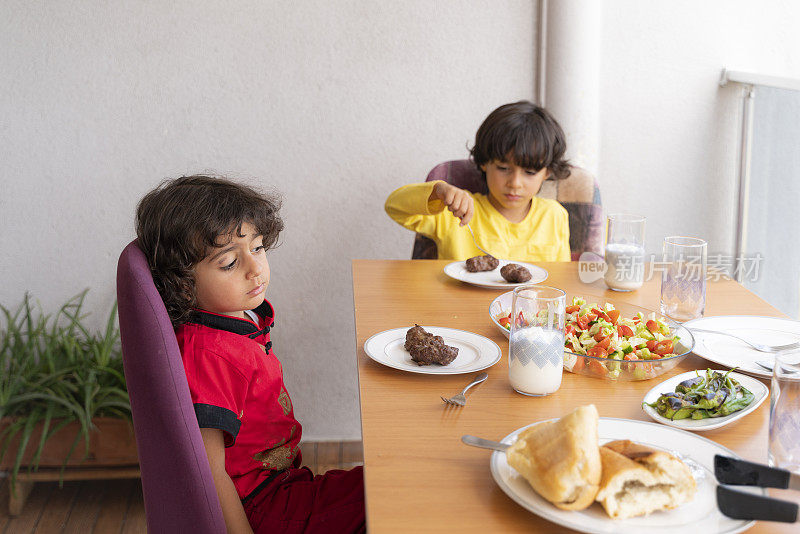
236 383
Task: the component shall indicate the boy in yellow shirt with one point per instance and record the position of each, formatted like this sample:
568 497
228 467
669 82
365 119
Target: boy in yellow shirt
517 147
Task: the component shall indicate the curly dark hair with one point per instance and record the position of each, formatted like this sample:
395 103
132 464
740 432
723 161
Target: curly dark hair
179 222
527 132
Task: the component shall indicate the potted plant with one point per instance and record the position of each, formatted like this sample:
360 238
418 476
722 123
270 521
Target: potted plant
63 400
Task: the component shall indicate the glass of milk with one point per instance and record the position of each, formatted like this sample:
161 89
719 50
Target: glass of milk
624 251
536 343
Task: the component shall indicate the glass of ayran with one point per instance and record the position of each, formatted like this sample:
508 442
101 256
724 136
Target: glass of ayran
536 343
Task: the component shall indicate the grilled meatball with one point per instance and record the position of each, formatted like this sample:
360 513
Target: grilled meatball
482 263
515 273
425 348
415 336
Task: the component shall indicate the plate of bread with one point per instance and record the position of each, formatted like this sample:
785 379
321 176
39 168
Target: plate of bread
606 475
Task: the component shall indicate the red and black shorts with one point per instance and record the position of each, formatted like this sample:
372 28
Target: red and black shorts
296 501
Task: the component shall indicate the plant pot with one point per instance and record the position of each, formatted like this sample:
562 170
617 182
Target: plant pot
112 443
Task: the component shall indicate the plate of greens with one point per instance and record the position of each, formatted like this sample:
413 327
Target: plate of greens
704 400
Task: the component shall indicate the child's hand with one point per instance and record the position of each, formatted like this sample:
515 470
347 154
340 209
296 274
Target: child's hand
457 200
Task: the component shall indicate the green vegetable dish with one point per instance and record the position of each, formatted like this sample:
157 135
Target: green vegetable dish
714 395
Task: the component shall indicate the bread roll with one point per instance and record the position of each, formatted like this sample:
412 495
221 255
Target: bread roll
638 480
561 459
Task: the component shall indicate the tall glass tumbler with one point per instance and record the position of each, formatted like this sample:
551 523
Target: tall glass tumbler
784 412
683 278
624 251
536 343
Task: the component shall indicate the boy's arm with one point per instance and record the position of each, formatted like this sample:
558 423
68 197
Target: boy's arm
458 201
232 509
413 206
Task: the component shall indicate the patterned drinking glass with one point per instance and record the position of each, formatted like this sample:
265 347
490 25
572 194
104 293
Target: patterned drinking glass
683 278
536 343
784 412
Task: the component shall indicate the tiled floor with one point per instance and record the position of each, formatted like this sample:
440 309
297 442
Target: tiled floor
115 506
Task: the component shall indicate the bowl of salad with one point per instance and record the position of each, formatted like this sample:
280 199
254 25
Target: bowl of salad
615 341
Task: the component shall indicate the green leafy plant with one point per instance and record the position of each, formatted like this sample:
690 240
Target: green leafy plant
54 371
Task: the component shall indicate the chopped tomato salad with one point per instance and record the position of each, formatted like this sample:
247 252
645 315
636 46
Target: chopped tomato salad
604 333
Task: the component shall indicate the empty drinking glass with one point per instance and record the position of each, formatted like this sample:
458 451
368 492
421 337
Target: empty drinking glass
683 278
784 412
624 251
536 343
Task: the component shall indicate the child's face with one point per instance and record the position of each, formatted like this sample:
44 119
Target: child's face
233 278
511 186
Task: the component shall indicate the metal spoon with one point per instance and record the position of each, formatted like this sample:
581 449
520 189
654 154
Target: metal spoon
484 443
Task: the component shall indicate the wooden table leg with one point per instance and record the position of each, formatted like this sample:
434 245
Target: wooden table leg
17 495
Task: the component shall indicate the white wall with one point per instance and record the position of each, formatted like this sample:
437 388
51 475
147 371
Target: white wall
334 103
669 133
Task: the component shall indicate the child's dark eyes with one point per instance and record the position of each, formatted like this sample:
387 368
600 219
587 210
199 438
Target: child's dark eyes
529 172
259 249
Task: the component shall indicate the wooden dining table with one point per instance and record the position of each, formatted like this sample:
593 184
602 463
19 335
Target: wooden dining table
419 476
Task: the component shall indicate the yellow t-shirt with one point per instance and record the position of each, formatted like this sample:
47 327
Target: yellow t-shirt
542 236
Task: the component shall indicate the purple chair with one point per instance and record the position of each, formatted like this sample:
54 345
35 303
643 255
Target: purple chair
578 193
179 492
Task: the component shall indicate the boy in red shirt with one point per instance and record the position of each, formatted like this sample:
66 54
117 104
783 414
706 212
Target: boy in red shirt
205 240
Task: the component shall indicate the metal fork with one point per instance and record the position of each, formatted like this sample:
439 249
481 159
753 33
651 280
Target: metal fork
758 346
460 399
770 366
476 242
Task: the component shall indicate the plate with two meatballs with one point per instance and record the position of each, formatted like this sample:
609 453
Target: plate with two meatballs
432 350
492 273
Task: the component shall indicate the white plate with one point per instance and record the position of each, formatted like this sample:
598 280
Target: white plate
699 515
492 279
499 305
474 352
730 352
759 391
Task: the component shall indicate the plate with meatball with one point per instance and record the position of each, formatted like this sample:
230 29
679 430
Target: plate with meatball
493 273
432 350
